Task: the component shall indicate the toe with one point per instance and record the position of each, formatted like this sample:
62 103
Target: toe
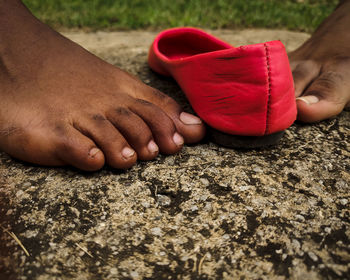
162 127
118 153
188 125
323 99
135 131
55 145
73 148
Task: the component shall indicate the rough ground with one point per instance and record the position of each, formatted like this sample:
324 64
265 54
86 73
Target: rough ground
205 213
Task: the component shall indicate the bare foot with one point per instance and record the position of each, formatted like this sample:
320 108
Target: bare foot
321 68
61 105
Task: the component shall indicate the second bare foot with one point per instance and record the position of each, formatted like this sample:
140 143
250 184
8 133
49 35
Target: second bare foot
321 68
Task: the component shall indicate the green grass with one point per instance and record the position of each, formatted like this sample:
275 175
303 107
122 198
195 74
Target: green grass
303 15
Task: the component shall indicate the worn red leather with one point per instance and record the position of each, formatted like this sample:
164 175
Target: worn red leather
246 90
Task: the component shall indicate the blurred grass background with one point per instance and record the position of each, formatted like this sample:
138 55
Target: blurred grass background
300 15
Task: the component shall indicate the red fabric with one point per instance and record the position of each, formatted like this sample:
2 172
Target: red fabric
246 90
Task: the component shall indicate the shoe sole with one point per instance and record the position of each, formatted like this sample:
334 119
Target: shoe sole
244 142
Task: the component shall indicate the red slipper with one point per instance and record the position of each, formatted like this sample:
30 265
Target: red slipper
245 94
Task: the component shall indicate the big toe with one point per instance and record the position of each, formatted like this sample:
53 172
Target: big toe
312 108
325 98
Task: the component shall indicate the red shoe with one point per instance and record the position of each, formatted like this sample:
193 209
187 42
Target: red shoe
245 94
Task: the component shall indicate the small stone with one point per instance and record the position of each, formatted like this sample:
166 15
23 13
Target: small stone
194 208
284 256
162 253
204 181
226 236
184 258
208 256
328 230
313 256
208 207
258 169
343 201
81 253
19 193
30 233
134 274
156 231
232 215
279 251
163 200
244 188
146 204
296 244
300 218
27 184
113 271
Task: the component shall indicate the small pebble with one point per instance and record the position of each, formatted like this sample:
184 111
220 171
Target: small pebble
114 271
156 231
27 184
134 274
244 188
184 258
204 181
163 200
296 244
19 193
313 256
258 170
343 201
226 236
208 207
146 204
300 218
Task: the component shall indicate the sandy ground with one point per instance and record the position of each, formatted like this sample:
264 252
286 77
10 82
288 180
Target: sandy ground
205 213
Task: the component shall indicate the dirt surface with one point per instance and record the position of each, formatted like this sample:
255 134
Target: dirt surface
205 213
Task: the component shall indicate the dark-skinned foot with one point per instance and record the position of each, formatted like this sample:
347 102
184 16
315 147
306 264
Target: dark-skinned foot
321 68
61 105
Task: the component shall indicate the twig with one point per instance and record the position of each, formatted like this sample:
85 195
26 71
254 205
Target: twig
84 250
17 240
201 264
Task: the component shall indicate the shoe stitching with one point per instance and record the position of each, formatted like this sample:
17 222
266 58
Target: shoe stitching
268 65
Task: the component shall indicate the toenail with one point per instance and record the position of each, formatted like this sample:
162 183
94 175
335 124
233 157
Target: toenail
127 152
152 147
178 140
187 118
94 151
309 99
